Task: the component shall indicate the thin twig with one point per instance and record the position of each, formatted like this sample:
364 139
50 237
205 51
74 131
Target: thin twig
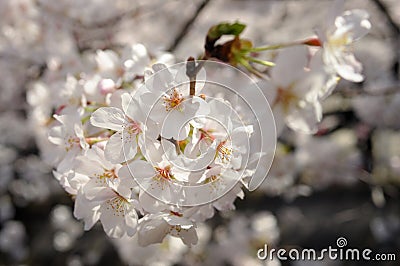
186 27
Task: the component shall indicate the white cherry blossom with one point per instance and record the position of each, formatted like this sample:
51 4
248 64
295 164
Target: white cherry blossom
107 196
128 124
337 39
154 227
69 136
293 91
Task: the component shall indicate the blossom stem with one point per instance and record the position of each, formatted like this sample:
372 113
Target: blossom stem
272 47
95 140
261 62
312 41
191 73
246 64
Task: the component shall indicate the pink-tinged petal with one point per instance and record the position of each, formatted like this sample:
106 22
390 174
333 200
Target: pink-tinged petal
290 64
108 117
152 232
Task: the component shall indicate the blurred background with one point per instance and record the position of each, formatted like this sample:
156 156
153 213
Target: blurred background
341 182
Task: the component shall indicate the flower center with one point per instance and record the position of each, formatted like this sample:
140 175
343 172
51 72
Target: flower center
211 179
172 100
206 134
224 152
285 98
133 127
71 142
339 40
164 173
109 174
117 204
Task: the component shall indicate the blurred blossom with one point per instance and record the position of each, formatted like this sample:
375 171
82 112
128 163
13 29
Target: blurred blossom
282 174
169 252
329 160
7 156
385 228
12 240
67 228
13 130
386 156
238 243
74 261
34 182
379 110
6 208
13 74
197 254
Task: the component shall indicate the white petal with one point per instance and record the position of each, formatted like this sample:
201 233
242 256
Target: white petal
86 210
290 65
56 135
96 190
150 204
152 232
88 167
121 147
141 169
356 21
112 223
131 221
108 117
131 108
305 119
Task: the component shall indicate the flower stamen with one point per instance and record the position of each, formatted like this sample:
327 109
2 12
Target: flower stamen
172 100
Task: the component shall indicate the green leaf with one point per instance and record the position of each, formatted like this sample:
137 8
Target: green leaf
225 28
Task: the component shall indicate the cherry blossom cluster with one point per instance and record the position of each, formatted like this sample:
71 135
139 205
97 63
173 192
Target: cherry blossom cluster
150 149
